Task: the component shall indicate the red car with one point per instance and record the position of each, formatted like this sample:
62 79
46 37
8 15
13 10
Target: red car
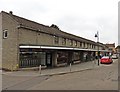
106 60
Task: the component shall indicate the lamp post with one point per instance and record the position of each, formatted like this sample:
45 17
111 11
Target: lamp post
97 35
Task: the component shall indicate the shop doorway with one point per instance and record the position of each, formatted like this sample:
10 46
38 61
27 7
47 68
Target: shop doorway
48 59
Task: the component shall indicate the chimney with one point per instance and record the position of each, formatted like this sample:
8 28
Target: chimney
11 12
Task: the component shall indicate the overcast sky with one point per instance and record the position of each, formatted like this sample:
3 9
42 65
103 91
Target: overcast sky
80 17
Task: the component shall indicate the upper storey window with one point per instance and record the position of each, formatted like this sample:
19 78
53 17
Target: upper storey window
83 44
80 44
75 43
56 39
5 34
71 42
64 41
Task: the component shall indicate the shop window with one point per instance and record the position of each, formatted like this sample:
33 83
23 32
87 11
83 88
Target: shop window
5 34
62 57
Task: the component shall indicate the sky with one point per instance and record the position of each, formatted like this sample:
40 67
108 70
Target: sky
79 17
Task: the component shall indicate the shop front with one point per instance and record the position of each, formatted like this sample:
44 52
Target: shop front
34 58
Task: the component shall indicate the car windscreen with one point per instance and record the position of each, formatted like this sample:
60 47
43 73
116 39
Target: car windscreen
105 57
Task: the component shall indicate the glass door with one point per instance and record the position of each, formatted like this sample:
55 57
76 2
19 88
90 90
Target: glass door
48 59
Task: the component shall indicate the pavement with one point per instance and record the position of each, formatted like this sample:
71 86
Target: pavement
55 71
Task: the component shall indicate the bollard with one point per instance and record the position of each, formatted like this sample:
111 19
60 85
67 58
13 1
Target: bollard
95 61
70 67
40 69
17 66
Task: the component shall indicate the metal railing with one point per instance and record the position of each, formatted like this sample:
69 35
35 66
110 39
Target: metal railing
29 62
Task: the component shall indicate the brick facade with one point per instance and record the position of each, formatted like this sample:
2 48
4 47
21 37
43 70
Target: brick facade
23 32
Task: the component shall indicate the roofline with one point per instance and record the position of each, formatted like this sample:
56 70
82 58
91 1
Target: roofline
85 40
21 26
10 15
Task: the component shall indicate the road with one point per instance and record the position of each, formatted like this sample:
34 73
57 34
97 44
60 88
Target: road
104 77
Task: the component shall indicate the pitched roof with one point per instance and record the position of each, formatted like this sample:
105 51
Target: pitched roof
110 45
118 47
43 28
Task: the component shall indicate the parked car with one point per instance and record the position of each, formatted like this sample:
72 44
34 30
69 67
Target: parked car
114 56
106 60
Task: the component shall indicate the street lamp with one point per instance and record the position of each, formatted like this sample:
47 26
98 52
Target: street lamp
97 35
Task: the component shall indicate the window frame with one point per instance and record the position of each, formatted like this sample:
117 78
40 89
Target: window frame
71 42
63 41
5 34
80 44
76 43
56 39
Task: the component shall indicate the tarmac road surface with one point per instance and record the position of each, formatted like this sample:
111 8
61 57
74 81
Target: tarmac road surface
104 77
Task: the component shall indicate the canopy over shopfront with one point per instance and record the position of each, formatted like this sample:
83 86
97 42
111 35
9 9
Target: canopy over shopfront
31 56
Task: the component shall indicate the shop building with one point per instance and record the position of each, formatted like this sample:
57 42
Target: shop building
25 43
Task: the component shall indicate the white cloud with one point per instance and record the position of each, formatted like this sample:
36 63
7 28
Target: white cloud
80 17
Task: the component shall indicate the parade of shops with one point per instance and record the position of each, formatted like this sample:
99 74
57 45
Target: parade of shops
25 43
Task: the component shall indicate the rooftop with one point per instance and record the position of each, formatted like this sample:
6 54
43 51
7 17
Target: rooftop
110 45
53 29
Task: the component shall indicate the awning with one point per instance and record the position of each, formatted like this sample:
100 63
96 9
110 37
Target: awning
59 48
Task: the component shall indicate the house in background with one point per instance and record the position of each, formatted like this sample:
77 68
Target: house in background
111 48
25 43
118 49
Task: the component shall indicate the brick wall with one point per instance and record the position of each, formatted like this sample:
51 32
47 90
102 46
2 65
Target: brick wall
10 44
